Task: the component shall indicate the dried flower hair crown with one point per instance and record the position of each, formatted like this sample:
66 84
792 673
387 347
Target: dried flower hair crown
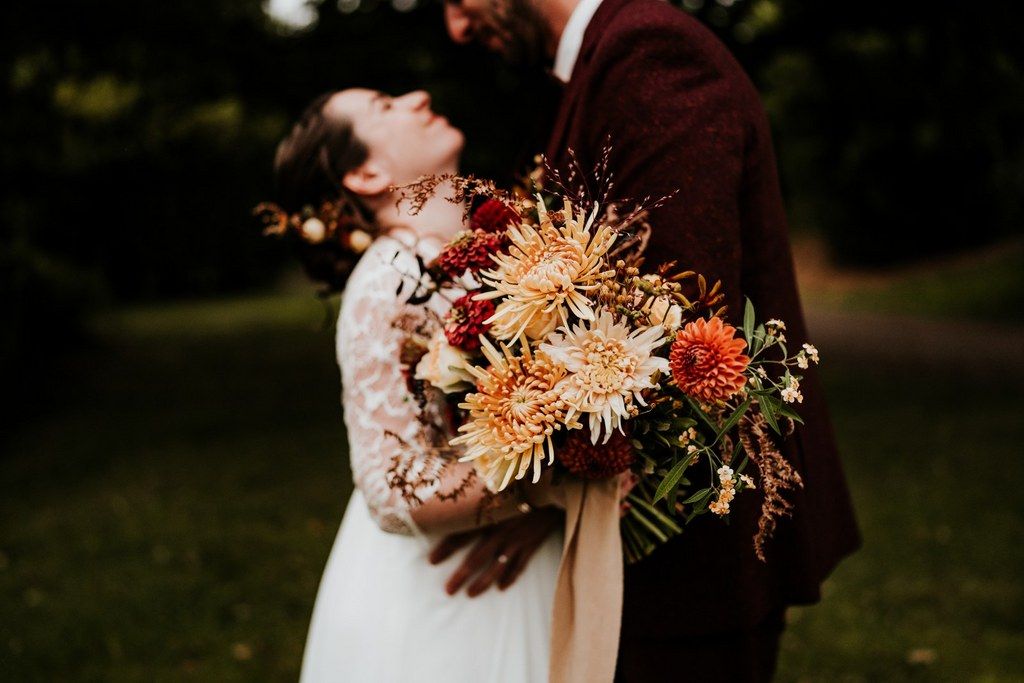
337 221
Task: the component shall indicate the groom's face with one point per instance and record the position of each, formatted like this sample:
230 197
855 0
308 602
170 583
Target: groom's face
512 28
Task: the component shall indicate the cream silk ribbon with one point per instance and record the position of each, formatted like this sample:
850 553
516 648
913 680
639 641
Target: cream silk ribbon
588 593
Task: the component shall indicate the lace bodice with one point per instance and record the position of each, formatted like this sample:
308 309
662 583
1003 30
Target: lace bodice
381 416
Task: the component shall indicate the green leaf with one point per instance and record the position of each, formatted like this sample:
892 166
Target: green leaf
733 419
700 495
748 321
673 494
681 423
668 524
758 341
638 516
790 413
671 479
768 407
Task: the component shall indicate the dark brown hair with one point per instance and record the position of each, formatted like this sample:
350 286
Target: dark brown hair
308 170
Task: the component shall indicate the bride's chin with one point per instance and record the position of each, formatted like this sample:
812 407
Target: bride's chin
460 137
458 143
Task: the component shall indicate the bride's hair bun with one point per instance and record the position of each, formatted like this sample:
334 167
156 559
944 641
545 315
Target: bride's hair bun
328 227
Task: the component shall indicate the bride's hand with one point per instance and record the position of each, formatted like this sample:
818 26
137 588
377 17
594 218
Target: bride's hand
501 553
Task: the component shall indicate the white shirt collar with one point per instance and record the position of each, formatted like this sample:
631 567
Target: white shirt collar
572 39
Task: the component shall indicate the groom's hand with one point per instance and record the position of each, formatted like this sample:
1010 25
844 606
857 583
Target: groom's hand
501 552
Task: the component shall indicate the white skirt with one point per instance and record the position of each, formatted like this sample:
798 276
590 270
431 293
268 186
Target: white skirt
382 614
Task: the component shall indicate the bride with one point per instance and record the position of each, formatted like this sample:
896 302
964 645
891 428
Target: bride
382 613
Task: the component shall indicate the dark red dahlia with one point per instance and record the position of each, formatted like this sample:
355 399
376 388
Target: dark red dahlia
493 216
465 322
471 249
595 461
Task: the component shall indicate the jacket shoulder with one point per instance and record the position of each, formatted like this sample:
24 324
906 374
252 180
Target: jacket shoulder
642 30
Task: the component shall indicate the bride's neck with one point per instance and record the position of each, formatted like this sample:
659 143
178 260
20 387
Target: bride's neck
439 217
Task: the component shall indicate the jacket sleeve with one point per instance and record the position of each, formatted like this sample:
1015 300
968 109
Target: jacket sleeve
676 123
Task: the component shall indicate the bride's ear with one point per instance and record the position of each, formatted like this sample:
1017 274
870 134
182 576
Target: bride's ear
368 180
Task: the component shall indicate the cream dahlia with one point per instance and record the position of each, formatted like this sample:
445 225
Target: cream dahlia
513 413
609 366
444 366
707 360
547 272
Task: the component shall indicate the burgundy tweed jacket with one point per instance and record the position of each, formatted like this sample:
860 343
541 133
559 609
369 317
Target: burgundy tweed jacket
682 115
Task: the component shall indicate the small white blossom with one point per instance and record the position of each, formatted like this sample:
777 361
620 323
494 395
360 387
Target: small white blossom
812 353
801 361
775 323
762 373
792 395
687 436
747 480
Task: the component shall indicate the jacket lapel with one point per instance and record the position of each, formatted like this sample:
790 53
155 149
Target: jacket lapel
561 135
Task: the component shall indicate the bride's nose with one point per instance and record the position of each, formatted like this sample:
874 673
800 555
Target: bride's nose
418 99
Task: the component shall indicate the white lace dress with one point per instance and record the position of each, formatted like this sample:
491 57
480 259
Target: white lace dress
382 613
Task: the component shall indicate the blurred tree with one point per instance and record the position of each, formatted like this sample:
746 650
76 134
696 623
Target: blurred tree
898 125
135 136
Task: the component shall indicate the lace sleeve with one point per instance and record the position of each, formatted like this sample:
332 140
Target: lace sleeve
381 416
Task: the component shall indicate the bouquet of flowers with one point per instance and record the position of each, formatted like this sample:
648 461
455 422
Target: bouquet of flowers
563 353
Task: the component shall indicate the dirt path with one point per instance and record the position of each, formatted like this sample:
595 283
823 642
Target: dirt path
957 345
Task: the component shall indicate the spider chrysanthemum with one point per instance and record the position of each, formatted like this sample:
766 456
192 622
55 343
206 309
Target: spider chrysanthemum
609 366
513 413
547 272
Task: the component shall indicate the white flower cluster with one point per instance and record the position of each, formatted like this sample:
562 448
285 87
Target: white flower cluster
791 392
726 493
687 436
809 353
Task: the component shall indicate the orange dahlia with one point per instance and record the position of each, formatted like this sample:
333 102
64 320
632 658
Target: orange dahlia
707 360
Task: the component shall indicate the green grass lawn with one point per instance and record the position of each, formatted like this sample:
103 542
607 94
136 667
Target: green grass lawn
988 286
169 517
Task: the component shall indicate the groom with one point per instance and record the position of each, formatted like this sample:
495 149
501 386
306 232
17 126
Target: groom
683 117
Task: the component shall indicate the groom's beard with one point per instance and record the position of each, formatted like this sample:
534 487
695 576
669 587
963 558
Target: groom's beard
523 32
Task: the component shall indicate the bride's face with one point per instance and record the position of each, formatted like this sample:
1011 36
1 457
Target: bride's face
405 139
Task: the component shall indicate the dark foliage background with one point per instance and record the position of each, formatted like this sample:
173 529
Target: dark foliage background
171 481
135 136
